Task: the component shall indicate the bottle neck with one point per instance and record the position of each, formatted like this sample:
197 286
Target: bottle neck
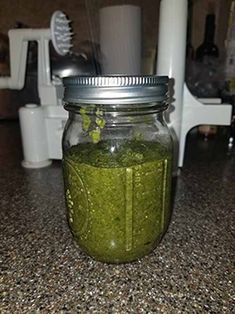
209 29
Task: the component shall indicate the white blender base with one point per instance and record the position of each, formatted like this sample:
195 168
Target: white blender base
36 165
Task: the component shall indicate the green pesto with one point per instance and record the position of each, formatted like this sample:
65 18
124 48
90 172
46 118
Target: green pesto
118 203
93 129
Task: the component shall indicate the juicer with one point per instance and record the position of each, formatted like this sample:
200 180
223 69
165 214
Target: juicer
41 124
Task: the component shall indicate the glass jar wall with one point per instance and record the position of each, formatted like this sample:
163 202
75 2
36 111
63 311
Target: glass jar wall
117 165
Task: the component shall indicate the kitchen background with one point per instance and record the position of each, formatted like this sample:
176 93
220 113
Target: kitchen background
84 16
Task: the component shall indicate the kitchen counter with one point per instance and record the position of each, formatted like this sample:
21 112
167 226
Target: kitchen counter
191 271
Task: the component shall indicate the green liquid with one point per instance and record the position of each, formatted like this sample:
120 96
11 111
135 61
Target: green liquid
118 203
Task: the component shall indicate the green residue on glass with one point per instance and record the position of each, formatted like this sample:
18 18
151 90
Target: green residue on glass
99 112
118 203
100 122
86 120
93 128
95 135
138 136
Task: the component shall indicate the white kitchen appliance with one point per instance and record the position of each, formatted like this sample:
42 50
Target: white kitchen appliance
41 124
186 111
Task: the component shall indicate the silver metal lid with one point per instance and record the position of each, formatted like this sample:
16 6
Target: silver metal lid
116 89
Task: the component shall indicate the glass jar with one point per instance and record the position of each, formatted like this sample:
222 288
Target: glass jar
117 156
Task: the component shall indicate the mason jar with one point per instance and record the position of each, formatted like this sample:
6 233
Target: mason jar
117 156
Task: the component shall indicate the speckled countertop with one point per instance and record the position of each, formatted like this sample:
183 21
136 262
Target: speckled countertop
192 270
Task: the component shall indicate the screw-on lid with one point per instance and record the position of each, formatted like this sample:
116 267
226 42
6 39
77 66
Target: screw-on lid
115 89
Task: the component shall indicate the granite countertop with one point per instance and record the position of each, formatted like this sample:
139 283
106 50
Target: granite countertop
191 271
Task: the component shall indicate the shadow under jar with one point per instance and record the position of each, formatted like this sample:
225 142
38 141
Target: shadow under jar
117 156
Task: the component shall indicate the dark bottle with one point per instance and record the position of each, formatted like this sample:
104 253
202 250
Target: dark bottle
208 47
189 46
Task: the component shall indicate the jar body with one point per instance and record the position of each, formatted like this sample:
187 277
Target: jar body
117 175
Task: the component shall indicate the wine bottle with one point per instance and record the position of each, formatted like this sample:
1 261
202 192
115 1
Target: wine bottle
208 47
189 46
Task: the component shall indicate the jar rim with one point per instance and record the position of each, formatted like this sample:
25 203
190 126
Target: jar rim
115 89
